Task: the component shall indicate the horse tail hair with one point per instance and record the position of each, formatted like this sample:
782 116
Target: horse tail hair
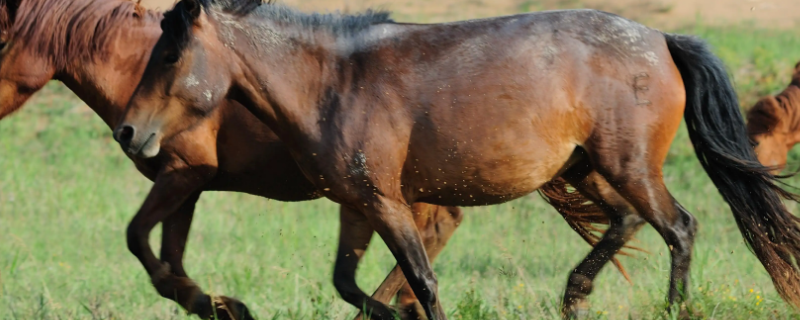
582 215
717 131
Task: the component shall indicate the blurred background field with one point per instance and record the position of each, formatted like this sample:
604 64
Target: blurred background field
67 193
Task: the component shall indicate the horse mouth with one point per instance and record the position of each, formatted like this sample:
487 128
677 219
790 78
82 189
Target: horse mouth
133 150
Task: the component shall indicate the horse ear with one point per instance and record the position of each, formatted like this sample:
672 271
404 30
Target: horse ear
138 9
193 7
797 67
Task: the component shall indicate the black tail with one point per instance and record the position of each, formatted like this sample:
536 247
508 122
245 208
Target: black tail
717 130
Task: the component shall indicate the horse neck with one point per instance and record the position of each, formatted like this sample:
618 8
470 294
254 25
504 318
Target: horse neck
106 84
286 90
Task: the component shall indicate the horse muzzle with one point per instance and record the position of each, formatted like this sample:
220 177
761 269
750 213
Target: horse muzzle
138 143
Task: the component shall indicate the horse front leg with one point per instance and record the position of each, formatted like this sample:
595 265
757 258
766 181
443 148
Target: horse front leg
175 233
172 200
169 193
354 236
171 280
174 278
436 225
394 221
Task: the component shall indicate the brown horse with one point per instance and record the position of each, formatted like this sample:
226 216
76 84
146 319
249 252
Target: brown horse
379 115
103 69
774 123
109 43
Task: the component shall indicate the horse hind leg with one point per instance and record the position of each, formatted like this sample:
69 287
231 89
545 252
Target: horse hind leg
624 222
675 224
641 184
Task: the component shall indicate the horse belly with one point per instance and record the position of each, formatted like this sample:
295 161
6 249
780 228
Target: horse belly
488 173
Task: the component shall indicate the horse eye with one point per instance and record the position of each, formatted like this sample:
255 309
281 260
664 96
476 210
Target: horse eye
171 58
2 45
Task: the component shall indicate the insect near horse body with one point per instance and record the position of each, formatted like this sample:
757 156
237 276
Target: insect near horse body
109 43
472 113
774 123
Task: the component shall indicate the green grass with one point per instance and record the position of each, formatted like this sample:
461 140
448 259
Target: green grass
67 193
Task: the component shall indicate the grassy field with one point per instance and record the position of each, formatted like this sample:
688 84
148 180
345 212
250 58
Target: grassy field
67 193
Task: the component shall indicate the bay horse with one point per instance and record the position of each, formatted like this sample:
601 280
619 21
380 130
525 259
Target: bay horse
99 50
774 124
103 69
480 112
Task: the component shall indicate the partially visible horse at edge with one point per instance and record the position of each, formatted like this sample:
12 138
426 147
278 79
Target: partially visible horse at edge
480 112
774 124
99 49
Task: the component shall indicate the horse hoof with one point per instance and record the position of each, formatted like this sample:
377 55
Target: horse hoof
221 308
576 309
576 314
231 309
686 314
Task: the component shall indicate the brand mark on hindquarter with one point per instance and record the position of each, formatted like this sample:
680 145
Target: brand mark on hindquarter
640 88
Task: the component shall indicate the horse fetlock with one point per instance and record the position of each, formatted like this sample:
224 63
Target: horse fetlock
162 273
179 289
428 293
579 284
347 288
575 305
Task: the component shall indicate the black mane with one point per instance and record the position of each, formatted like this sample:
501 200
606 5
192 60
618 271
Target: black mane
177 22
335 22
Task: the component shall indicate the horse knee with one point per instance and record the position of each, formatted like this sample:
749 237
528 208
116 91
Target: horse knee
134 234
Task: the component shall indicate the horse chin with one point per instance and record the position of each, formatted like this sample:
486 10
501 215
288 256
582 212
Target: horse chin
150 149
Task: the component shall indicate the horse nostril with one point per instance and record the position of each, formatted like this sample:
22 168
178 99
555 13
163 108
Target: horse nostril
125 134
